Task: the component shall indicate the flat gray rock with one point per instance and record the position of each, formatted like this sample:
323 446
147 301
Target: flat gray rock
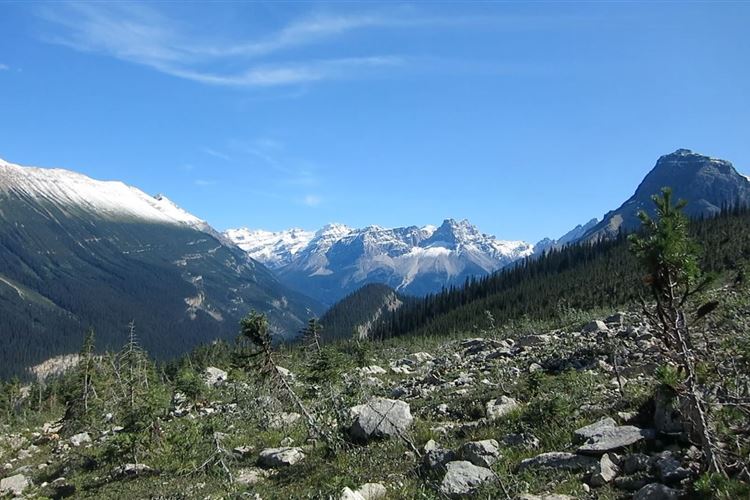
585 433
559 460
280 457
604 472
14 484
464 478
380 418
615 438
498 408
594 327
481 453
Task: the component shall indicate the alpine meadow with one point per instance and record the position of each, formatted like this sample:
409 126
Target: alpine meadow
375 250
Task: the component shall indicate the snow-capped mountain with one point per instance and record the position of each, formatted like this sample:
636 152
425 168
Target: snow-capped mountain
338 259
77 253
274 249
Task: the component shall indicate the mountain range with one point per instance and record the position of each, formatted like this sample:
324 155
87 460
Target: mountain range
337 259
77 253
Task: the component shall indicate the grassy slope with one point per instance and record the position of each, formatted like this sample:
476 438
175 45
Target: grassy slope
553 405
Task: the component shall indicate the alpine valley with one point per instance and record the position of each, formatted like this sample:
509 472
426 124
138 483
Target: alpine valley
540 377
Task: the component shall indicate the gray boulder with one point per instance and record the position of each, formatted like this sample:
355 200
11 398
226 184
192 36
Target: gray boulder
497 408
481 453
604 472
464 478
585 433
14 485
380 418
280 457
595 327
559 460
656 491
670 469
437 459
614 438
80 439
368 491
214 377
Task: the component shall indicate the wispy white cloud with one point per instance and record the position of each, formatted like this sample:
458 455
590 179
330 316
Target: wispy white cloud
204 182
216 154
142 35
4 67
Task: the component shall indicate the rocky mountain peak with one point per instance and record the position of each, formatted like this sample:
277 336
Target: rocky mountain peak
333 229
413 259
707 183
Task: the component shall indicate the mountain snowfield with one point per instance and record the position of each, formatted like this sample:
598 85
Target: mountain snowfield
274 249
337 259
106 199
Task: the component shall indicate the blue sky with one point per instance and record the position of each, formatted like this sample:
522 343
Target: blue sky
526 118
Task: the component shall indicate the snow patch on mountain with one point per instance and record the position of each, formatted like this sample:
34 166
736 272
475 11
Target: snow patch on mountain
107 199
274 249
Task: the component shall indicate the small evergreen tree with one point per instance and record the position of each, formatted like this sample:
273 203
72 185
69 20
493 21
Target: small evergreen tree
670 258
140 402
255 329
311 335
81 397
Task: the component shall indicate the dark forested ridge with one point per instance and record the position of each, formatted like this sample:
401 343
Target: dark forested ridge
583 277
348 316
